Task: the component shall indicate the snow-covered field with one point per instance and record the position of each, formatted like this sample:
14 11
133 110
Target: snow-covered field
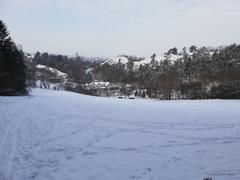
57 135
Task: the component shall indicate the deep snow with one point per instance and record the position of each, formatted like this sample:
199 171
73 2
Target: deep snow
57 135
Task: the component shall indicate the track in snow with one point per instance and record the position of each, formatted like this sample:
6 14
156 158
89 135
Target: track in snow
65 136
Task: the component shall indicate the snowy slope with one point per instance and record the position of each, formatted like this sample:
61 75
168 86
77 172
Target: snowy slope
55 71
58 135
136 64
50 78
116 60
158 58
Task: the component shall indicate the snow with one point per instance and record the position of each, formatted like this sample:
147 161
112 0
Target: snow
58 135
98 84
29 55
55 71
136 64
116 60
89 70
158 58
49 85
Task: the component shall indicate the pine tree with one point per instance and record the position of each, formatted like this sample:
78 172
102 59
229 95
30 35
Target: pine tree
12 68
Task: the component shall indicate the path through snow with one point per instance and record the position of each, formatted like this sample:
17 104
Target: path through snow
55 135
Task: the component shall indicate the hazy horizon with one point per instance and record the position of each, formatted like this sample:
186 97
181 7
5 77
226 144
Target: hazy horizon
104 28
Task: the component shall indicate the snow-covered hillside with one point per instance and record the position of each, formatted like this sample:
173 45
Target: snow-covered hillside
136 64
55 71
50 78
159 58
116 60
58 135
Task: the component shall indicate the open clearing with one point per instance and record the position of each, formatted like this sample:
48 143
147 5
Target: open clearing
57 135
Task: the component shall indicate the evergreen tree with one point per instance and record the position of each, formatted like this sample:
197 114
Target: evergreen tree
173 51
12 68
193 48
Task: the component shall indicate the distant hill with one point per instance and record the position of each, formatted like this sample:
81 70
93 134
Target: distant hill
193 73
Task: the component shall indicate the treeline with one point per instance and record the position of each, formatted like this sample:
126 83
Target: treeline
12 67
74 67
200 73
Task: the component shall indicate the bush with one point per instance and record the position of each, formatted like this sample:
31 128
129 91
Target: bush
226 90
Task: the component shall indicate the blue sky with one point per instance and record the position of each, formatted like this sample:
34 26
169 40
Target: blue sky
112 27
